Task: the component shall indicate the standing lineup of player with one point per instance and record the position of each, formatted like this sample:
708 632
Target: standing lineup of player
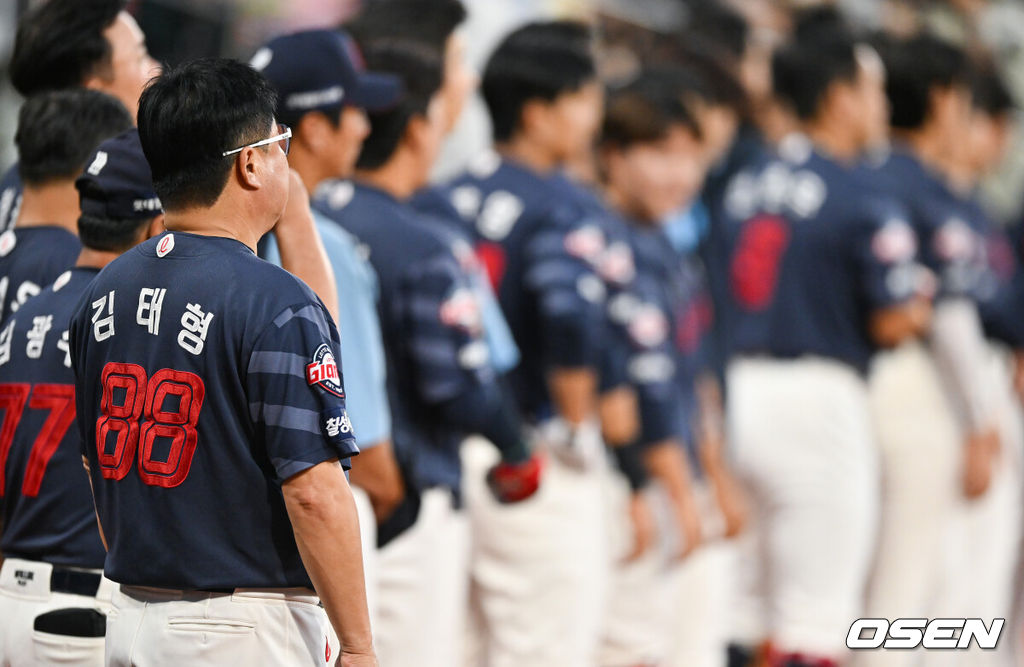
660 378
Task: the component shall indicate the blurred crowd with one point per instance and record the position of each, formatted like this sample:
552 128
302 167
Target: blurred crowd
674 332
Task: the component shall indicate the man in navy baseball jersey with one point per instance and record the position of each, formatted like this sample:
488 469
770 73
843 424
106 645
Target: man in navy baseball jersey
60 44
821 275
211 405
50 585
441 384
323 92
542 255
57 132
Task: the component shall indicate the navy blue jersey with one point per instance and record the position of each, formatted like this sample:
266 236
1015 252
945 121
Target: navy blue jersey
430 321
30 259
539 250
949 245
205 377
813 251
10 197
47 507
615 266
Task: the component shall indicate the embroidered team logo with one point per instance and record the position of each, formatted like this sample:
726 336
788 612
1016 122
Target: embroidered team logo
165 246
324 371
7 242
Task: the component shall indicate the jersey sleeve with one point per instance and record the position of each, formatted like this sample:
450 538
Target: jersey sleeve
885 254
444 328
952 249
570 296
296 391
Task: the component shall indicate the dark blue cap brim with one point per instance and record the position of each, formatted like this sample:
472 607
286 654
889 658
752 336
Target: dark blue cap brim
377 92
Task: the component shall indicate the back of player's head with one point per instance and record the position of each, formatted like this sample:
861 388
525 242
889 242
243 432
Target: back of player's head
60 44
59 130
721 25
421 70
116 195
539 61
431 22
647 109
915 69
193 113
804 70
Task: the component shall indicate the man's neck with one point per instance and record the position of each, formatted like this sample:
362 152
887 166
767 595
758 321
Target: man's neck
53 204
95 259
308 167
224 219
927 147
527 151
400 177
834 142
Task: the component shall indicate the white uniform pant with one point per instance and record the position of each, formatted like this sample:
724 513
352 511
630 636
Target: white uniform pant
662 611
21 603
804 448
539 567
151 627
422 581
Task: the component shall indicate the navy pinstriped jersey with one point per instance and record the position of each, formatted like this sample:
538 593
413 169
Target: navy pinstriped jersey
430 320
814 250
47 507
10 197
30 259
205 378
540 252
949 245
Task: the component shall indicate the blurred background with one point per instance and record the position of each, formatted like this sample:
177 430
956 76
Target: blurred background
178 30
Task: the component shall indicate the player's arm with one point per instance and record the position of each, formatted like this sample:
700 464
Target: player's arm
99 524
666 462
302 251
376 472
323 516
891 326
732 502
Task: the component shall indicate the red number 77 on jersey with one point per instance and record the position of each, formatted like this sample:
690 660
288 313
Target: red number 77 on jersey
59 399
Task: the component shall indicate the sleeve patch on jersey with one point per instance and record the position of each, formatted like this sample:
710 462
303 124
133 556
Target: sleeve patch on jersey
648 326
587 243
462 310
7 242
337 428
617 264
955 240
323 371
894 242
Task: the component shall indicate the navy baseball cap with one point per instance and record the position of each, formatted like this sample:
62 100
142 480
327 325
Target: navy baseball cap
117 183
318 70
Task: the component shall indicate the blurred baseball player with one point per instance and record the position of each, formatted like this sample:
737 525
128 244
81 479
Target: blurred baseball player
440 381
541 603
798 410
53 598
211 406
61 44
322 93
57 132
934 401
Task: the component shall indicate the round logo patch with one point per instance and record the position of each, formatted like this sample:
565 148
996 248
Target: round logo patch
165 246
324 371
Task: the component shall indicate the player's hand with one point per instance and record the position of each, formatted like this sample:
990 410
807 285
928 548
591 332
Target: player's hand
296 210
347 659
641 520
980 456
515 482
732 503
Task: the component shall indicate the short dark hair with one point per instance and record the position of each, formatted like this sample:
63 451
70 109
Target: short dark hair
539 61
719 24
59 130
914 69
60 44
421 70
989 93
190 115
646 109
431 22
110 234
803 71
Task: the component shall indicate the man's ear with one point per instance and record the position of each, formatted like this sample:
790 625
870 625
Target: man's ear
534 117
248 168
154 228
313 132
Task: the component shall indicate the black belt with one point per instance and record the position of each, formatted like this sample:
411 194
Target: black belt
75 582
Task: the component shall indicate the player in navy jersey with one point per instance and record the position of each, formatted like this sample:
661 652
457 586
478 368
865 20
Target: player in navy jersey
541 255
821 275
50 538
211 405
57 132
62 44
441 384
